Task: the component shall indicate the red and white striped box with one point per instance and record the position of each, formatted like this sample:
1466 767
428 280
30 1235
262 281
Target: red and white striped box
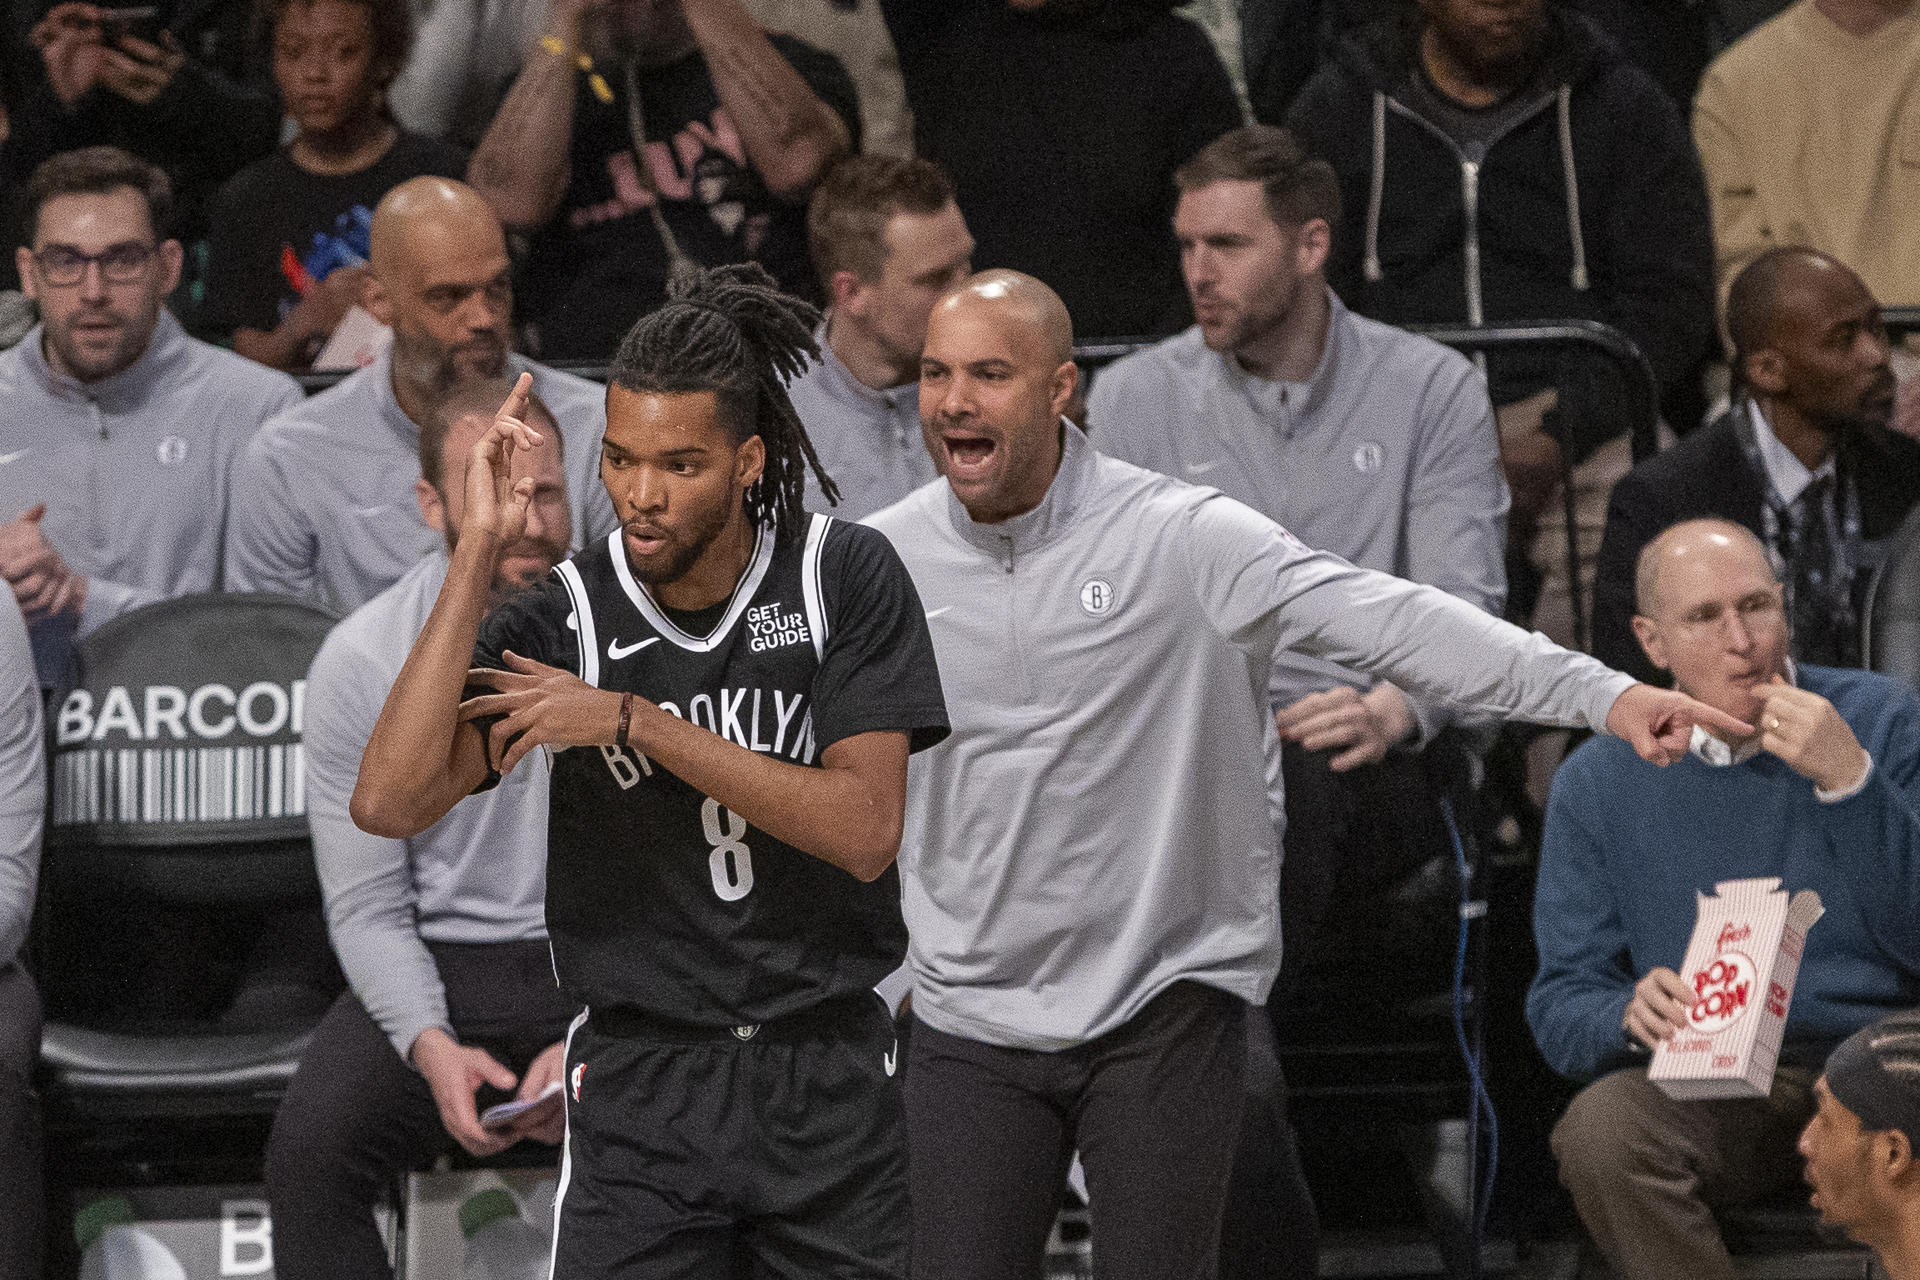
1740 967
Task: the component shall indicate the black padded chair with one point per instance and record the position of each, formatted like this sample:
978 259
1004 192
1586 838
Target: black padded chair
176 779
1890 623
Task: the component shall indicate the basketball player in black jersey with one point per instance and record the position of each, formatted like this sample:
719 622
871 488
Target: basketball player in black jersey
727 689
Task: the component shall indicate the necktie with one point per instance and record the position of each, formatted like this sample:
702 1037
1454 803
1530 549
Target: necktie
1823 631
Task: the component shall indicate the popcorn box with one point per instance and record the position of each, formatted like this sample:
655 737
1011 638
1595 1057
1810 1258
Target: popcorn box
1741 965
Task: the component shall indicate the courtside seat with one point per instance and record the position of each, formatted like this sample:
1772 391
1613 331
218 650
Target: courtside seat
176 783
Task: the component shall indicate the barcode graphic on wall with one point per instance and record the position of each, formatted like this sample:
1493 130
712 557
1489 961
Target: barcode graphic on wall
179 784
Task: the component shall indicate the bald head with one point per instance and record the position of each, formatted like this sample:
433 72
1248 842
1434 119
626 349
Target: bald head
442 280
1777 281
1710 613
1024 301
1689 543
434 217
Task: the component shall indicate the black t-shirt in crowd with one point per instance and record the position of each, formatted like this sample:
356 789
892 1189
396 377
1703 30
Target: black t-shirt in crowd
1061 134
659 899
598 265
267 217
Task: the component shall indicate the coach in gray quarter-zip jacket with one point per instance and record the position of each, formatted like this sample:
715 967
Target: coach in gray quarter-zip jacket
1089 864
324 506
121 433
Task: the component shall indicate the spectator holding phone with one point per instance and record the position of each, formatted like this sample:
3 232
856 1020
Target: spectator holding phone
174 82
289 242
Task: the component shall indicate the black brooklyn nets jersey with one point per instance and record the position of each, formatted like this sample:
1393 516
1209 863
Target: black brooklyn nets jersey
659 899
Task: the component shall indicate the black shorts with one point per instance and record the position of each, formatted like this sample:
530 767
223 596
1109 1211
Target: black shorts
782 1153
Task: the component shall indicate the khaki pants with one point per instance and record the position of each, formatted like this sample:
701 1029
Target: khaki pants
1646 1172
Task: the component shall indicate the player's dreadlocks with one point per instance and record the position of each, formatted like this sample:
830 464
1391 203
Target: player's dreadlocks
731 331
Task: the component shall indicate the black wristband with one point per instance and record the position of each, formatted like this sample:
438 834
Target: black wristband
626 719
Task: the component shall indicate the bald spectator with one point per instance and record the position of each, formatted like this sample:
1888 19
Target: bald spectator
1804 459
323 506
1064 169
736 128
1860 1145
121 433
1823 793
888 240
1806 128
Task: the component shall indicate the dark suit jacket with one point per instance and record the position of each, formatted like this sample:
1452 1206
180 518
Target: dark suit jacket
1707 474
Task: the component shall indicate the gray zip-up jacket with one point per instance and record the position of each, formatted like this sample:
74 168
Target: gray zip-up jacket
1097 828
136 469
868 441
325 507
477 875
1385 456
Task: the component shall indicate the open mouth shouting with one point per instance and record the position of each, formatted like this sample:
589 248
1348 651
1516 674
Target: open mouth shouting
969 456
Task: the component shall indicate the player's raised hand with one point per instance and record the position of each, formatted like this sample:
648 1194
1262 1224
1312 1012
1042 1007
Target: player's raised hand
496 502
1804 730
539 706
1659 722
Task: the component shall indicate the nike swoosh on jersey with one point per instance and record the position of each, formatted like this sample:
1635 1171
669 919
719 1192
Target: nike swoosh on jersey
15 456
615 652
891 1059
1200 468
934 613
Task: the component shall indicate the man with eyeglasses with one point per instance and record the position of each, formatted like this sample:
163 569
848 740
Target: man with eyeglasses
1823 795
121 431
324 505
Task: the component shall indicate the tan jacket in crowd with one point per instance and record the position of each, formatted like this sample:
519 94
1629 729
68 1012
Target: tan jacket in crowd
1811 136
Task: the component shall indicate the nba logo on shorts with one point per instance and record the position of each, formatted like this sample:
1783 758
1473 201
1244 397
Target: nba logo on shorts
1368 457
1096 597
579 1073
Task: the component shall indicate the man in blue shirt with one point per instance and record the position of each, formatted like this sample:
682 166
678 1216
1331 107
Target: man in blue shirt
1824 796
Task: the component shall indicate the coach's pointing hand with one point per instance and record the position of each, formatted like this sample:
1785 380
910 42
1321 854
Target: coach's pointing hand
539 706
1659 722
496 503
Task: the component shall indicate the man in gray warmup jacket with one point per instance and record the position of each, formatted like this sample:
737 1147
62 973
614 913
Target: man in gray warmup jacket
1089 867
443 937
